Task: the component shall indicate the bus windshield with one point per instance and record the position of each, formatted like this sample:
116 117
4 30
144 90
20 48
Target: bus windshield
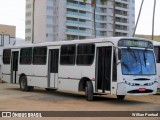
138 62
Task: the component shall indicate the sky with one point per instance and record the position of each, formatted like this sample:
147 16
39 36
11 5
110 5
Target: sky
12 12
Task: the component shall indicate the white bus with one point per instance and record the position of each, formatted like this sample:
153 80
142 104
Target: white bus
116 65
157 54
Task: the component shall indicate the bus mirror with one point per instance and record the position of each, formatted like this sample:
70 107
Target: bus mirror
118 62
119 54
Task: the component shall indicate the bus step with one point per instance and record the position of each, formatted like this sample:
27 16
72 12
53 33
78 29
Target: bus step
100 94
51 89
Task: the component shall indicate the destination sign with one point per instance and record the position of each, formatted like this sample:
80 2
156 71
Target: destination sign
135 43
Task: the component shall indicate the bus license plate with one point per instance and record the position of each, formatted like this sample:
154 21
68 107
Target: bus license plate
142 89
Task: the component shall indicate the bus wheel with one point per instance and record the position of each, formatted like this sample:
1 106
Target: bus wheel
89 91
23 84
120 97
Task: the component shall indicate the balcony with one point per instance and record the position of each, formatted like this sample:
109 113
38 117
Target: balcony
78 32
78 15
78 23
77 6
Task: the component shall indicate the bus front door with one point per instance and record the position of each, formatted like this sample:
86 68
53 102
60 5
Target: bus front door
103 69
53 68
14 66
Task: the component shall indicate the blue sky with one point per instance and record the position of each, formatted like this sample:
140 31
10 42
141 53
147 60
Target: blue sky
12 12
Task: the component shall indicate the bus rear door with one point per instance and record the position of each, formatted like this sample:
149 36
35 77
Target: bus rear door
53 68
14 67
104 69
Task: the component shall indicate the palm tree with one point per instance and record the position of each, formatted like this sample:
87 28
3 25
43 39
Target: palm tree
93 4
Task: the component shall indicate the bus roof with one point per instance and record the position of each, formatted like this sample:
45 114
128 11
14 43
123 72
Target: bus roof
113 40
156 43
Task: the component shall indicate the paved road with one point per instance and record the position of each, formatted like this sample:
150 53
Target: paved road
13 99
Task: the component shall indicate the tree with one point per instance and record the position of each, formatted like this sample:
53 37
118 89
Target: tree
93 4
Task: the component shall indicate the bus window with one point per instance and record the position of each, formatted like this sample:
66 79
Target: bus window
157 54
68 53
39 55
6 56
114 75
85 54
26 56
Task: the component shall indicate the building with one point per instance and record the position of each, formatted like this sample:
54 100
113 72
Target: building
8 30
7 37
54 20
7 34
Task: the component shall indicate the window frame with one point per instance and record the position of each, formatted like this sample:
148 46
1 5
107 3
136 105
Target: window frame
40 55
24 57
157 53
9 57
67 55
86 55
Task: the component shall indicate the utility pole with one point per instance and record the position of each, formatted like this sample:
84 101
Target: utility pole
154 7
138 18
114 18
33 13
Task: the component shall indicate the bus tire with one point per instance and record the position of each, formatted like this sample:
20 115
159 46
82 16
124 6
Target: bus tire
120 97
89 91
31 88
23 84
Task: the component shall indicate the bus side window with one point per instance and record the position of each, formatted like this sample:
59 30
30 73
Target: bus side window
26 56
6 56
114 66
39 55
85 54
68 55
157 54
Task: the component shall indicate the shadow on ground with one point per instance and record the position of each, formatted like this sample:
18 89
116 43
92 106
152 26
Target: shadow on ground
53 96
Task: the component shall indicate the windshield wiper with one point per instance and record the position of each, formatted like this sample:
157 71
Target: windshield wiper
144 56
134 55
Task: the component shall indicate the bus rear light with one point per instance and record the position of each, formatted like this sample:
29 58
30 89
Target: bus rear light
142 89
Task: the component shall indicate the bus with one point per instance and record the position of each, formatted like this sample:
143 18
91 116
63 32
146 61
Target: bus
118 66
157 54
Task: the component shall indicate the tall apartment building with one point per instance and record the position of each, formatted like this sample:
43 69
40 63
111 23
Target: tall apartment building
54 20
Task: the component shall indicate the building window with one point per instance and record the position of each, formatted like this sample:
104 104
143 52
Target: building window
50 8
50 17
28 14
28 30
68 53
28 22
28 6
50 26
28 38
26 56
49 35
6 56
39 55
85 54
